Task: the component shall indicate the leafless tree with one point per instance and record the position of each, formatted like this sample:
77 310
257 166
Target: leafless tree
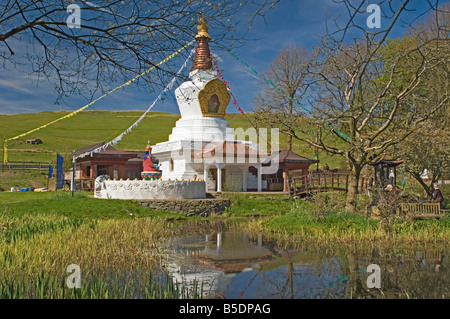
361 85
116 39
288 72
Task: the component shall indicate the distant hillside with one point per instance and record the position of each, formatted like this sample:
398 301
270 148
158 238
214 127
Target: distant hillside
90 127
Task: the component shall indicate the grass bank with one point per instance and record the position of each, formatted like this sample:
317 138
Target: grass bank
117 245
91 127
81 206
22 179
322 220
118 258
318 219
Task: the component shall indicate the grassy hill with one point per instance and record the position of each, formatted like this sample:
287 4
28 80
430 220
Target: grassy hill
90 127
83 129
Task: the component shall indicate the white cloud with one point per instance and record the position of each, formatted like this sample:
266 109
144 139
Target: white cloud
14 84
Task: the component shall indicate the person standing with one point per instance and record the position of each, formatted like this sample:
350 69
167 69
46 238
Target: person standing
437 195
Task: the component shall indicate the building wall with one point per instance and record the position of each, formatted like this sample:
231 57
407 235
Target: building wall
115 169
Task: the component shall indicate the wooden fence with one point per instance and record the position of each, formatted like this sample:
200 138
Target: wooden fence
41 166
317 183
84 184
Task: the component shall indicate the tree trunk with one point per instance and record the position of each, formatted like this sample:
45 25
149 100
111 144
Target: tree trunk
353 179
290 135
427 188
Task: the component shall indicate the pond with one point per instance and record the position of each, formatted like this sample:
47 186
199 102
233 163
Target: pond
230 264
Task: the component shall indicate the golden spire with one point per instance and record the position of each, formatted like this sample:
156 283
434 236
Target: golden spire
202 28
202 54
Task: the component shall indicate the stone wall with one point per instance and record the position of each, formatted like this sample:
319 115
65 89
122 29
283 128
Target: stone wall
148 190
189 207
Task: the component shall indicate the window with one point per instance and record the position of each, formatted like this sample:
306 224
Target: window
171 164
102 170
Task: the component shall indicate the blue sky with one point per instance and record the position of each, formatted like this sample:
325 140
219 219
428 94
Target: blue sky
298 22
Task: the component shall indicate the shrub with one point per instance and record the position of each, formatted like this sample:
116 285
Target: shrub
325 203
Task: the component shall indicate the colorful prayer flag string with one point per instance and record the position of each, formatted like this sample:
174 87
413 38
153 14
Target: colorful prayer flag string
5 157
101 97
128 130
342 135
234 99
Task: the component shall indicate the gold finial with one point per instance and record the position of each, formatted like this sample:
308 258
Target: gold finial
202 28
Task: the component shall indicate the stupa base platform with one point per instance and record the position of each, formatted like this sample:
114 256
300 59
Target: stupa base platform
152 189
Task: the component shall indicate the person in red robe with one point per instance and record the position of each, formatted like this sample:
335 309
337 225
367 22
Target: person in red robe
147 164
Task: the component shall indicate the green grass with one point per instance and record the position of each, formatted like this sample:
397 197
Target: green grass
323 221
22 179
81 206
250 205
322 217
91 127
42 233
99 286
116 244
12 197
84 129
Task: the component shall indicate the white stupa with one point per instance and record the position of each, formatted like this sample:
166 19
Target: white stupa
202 132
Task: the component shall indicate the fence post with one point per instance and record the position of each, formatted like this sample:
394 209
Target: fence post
73 173
5 152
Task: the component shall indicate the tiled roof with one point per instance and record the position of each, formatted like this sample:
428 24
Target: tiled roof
109 150
386 159
288 156
229 149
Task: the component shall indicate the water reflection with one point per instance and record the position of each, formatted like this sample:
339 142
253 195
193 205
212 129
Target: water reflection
232 265
236 254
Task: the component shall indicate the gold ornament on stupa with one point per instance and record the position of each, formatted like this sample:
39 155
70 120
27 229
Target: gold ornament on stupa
214 96
202 28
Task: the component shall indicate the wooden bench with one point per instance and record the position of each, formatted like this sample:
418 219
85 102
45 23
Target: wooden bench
425 210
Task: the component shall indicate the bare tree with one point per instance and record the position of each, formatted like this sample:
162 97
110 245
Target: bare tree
116 39
360 90
288 72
